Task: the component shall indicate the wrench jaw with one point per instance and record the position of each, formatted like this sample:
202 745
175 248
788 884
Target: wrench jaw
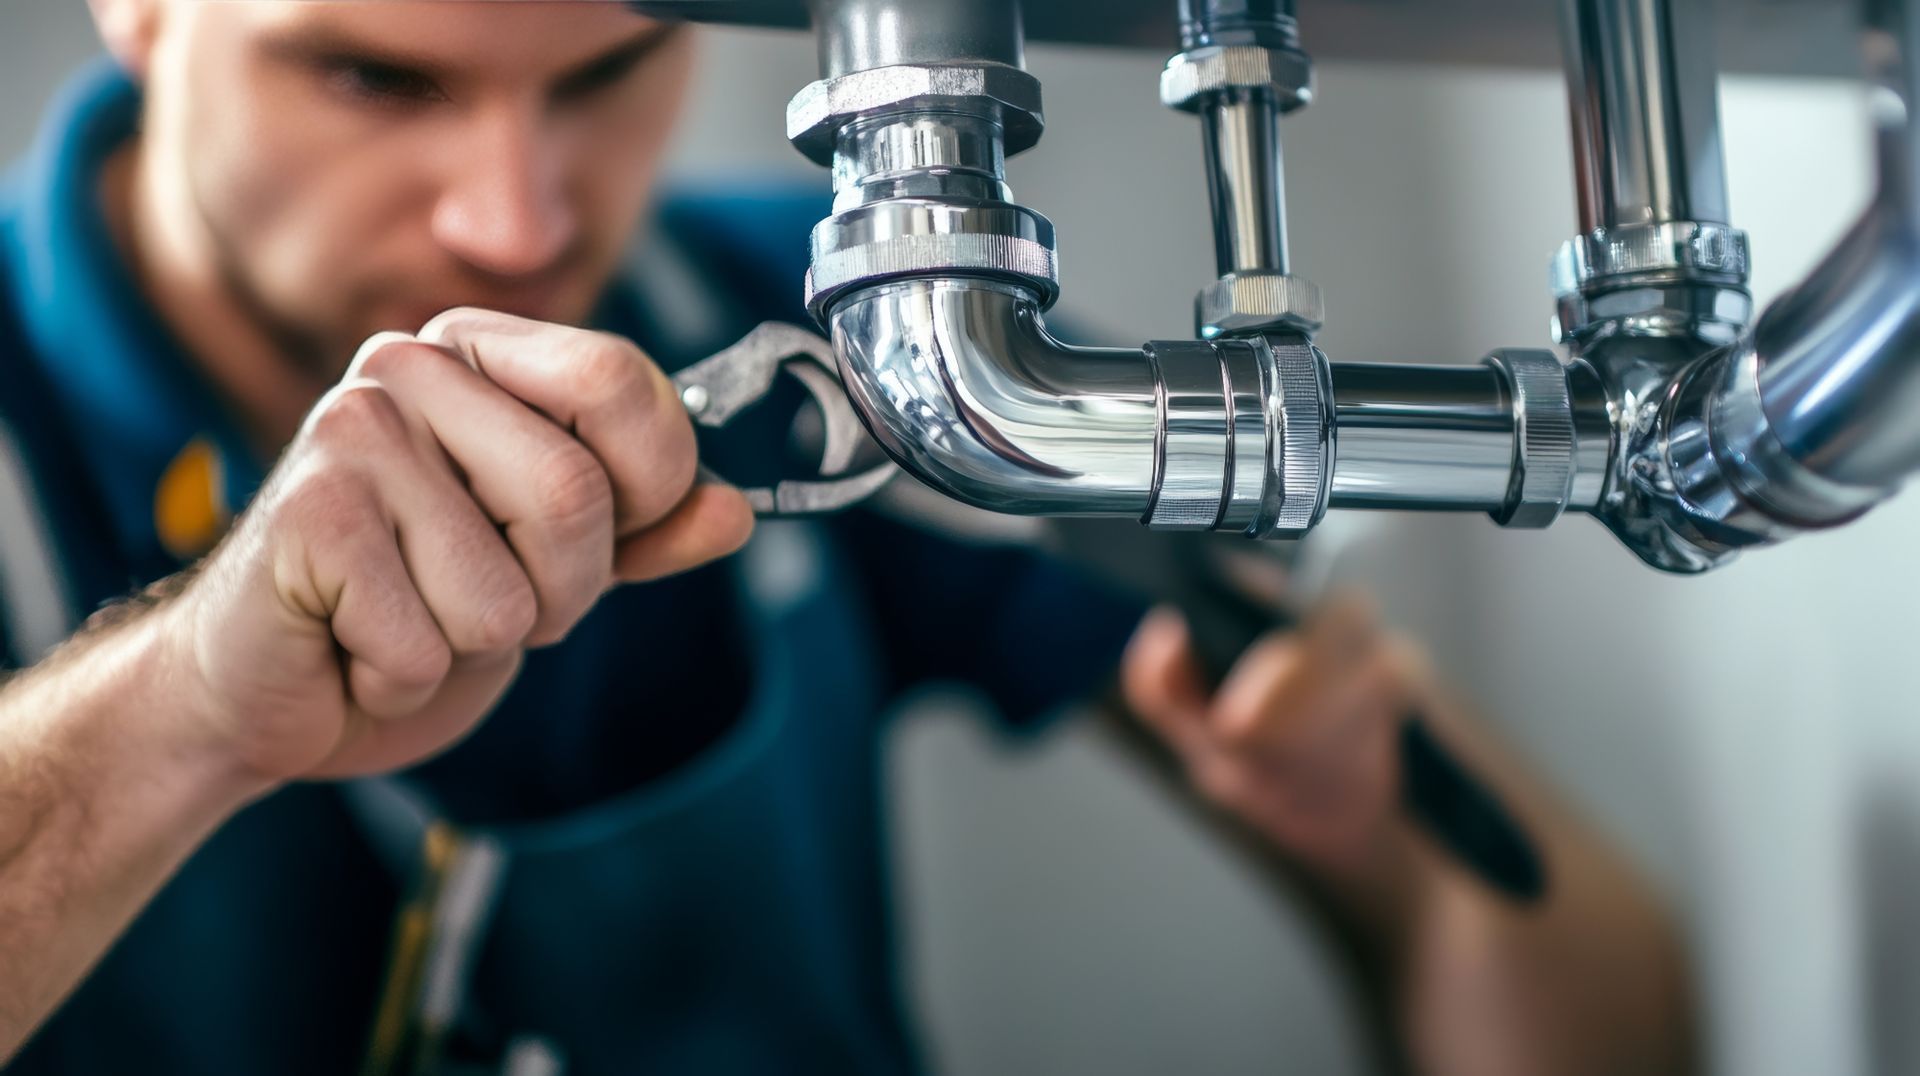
721 386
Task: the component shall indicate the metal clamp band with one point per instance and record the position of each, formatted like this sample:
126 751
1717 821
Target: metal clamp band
900 237
1543 439
1682 250
1253 301
1195 449
1300 411
1191 75
1247 432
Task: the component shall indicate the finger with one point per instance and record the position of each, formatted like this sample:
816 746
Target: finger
713 521
550 495
463 699
1160 679
601 387
461 567
1343 627
396 654
1273 702
1263 707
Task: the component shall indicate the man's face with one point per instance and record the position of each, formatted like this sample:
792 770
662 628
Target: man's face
355 167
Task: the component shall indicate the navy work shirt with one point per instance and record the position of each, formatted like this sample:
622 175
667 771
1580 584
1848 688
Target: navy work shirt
687 790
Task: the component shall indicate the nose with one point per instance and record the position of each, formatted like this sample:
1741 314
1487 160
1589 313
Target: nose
504 209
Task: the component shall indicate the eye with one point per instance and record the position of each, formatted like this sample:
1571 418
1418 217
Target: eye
372 80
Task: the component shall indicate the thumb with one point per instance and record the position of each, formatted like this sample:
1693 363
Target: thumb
1162 681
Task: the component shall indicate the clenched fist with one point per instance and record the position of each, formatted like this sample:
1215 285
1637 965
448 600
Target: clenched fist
1301 738
462 495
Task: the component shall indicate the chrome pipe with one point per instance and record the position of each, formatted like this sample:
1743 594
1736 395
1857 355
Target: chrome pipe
1521 436
1640 79
862 35
1240 69
959 381
961 384
1814 413
1655 254
1246 184
1805 420
1421 437
1838 358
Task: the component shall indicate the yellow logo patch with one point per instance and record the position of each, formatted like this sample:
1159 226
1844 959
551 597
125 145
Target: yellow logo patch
189 505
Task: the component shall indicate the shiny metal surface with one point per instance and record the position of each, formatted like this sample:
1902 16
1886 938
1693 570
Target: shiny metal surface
961 383
1300 393
1421 437
1646 126
1245 185
1652 197
944 154
724 384
900 237
1002 94
1806 420
1204 70
1545 449
1240 70
856 35
1196 448
1259 302
1687 442
1838 358
1663 252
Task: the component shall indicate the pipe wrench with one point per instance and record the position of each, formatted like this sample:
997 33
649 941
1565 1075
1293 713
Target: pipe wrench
721 386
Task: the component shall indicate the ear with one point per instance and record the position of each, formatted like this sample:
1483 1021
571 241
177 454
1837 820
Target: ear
128 28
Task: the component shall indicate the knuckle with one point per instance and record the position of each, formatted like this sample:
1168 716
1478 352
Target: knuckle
374 347
602 369
332 504
1220 783
420 659
571 485
1241 731
358 412
387 361
505 621
438 326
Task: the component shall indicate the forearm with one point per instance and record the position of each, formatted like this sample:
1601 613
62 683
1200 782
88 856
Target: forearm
1593 980
1453 978
103 792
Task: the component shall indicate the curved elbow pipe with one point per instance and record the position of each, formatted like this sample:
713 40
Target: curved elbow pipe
958 379
962 385
1806 421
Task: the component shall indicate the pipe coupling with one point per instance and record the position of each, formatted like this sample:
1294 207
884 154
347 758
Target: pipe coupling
1690 271
1192 76
907 237
998 92
1259 301
1544 440
1245 436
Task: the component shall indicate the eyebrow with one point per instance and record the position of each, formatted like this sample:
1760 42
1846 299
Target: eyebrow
322 42
615 62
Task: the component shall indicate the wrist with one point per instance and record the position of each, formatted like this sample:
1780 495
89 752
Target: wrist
124 715
192 721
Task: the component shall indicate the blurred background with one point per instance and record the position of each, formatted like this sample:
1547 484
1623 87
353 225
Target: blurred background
1752 736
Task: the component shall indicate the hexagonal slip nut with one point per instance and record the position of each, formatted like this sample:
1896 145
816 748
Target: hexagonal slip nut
1190 76
817 112
1246 302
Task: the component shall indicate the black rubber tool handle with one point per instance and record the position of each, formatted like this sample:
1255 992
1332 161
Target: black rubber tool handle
1441 794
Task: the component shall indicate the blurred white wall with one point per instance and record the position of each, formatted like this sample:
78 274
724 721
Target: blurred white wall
1751 736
